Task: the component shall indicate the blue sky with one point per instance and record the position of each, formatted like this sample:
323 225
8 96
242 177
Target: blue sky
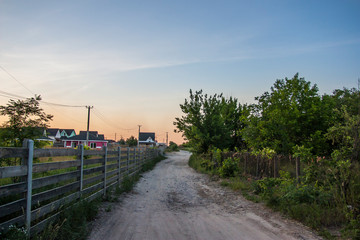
135 61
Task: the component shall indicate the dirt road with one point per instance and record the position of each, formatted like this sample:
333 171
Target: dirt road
175 202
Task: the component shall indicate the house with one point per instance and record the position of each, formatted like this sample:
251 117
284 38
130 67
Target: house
147 138
57 133
53 133
67 133
95 140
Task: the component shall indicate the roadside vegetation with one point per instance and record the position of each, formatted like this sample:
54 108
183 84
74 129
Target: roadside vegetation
173 147
290 122
73 222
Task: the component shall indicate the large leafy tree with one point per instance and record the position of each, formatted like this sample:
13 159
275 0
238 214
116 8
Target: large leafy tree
345 130
131 141
25 119
210 121
291 114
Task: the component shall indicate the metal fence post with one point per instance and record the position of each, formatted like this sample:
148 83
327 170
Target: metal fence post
105 160
119 159
134 158
81 168
30 146
127 160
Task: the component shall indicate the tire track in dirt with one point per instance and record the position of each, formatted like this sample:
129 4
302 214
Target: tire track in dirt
174 202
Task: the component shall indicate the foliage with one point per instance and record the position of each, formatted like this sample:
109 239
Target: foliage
292 119
26 119
229 168
211 121
75 220
14 233
172 147
131 141
287 116
346 135
122 141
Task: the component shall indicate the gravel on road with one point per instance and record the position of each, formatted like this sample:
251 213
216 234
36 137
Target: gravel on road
174 202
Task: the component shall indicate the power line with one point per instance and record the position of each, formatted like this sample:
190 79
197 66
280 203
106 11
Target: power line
16 80
12 95
109 122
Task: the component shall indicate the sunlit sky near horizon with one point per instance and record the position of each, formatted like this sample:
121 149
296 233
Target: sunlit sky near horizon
135 61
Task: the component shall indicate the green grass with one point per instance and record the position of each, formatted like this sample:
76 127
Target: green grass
309 204
73 221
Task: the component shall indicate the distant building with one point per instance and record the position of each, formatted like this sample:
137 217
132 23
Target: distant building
95 140
147 138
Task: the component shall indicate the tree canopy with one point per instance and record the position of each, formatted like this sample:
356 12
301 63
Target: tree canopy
25 120
131 141
291 115
210 121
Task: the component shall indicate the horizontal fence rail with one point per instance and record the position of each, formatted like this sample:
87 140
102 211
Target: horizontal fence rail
33 192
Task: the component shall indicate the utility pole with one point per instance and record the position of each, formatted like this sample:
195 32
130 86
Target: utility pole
138 136
167 138
88 125
115 137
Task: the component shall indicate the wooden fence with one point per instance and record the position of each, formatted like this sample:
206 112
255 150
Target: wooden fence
259 166
34 193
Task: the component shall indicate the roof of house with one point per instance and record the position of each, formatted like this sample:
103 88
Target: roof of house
95 133
68 131
52 131
144 136
82 136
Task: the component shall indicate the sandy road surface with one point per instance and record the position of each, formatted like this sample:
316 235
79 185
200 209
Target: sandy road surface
175 202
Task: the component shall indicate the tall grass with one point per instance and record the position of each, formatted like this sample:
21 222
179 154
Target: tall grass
327 197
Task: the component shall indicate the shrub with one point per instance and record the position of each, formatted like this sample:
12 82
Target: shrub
229 168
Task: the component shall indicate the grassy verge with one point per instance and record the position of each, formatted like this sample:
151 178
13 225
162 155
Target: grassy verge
73 221
314 206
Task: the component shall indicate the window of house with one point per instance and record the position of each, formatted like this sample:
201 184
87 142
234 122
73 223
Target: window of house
93 145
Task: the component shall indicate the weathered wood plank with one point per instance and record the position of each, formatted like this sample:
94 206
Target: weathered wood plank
19 221
93 152
40 152
55 192
111 180
43 167
38 213
11 152
13 171
111 166
93 179
112 159
94 195
45 181
112 173
93 170
12 207
93 188
123 169
12 189
41 225
112 152
93 161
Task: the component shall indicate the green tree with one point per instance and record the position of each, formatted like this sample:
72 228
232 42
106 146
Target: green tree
26 119
173 146
131 141
122 141
291 114
210 121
